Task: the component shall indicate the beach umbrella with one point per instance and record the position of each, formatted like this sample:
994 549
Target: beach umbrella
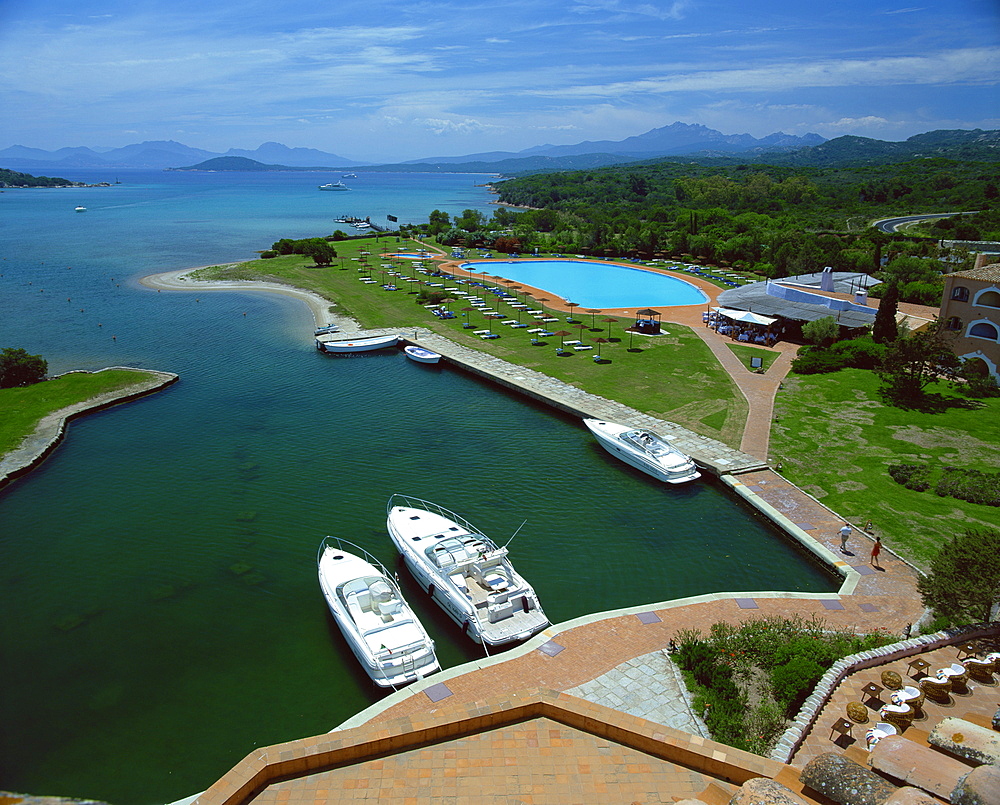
572 305
593 317
542 301
515 289
562 337
609 321
581 327
600 341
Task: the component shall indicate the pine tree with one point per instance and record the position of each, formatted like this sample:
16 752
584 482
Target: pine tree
884 330
964 580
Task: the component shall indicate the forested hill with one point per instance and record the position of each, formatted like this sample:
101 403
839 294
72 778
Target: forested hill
9 178
976 145
242 164
818 198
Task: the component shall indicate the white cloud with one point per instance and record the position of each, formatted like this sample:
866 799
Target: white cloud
855 123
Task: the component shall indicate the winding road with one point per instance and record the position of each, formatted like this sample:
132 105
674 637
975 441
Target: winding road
892 225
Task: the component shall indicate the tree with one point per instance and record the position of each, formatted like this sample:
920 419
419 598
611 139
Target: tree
438 222
822 331
18 368
884 331
322 253
964 580
911 363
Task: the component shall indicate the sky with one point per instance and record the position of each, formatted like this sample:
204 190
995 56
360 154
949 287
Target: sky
386 81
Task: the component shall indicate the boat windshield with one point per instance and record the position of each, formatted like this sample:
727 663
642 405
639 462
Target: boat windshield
457 550
649 442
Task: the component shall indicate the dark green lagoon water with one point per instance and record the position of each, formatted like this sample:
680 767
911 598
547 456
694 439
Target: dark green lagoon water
161 614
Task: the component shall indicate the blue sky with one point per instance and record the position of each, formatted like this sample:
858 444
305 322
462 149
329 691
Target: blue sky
387 81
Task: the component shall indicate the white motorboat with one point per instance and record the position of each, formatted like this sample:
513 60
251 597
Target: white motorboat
390 643
334 186
465 572
421 355
645 451
80 208
326 329
357 344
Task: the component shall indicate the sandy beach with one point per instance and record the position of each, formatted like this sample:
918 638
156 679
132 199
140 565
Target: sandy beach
181 280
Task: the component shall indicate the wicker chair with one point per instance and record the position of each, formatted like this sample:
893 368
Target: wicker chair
937 690
857 712
881 730
958 676
891 680
910 695
981 670
899 715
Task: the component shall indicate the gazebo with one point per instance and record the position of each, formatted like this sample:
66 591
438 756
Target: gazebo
647 321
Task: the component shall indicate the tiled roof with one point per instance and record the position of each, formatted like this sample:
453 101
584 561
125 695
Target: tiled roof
990 273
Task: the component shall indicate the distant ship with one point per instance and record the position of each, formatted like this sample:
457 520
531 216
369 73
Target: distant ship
350 176
334 186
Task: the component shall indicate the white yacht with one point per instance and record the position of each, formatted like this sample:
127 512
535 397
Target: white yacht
334 186
390 643
645 451
465 572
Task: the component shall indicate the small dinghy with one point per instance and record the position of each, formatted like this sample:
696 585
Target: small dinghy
421 355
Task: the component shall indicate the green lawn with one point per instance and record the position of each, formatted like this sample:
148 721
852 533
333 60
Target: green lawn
745 354
836 438
674 376
21 409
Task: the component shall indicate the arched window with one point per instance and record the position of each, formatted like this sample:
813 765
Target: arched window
954 323
990 298
960 293
983 329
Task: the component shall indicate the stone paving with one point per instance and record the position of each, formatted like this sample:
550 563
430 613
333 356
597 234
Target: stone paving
649 687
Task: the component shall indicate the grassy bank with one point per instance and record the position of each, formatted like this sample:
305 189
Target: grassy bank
21 409
836 440
674 376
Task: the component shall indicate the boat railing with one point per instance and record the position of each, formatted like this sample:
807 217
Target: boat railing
338 543
410 502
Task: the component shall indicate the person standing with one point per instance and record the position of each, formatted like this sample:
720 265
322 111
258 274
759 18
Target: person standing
845 534
876 550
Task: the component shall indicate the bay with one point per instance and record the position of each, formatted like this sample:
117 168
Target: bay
161 613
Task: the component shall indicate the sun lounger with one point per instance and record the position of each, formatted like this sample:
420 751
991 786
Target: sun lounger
536 329
509 321
480 332
516 326
490 335
546 333
550 318
582 346
572 343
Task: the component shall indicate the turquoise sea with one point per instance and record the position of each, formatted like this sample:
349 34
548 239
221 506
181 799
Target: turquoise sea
161 614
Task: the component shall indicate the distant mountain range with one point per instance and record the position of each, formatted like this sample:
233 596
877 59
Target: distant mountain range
695 142
676 139
161 154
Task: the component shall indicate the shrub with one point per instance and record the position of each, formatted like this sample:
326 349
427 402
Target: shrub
793 681
817 360
860 353
912 476
267 254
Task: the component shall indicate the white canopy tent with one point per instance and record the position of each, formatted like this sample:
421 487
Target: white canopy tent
744 316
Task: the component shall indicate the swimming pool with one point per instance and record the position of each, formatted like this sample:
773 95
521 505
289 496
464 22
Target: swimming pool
595 285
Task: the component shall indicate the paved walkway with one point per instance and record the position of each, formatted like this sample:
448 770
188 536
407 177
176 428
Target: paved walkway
649 687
